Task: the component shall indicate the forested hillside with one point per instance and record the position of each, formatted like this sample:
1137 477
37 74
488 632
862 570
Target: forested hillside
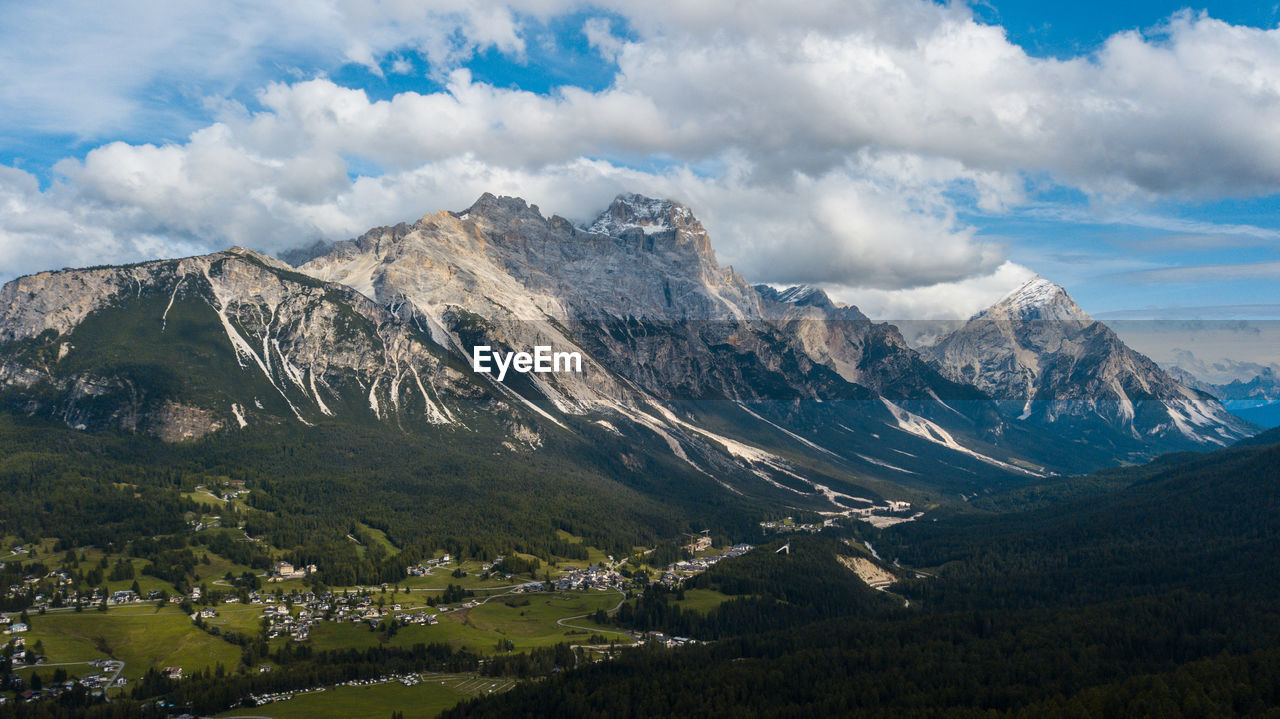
1157 599
310 488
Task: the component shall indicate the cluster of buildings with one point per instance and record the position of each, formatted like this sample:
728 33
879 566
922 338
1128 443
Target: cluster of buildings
699 543
682 570
424 569
18 653
106 676
668 641
51 597
789 525
233 489
295 615
593 577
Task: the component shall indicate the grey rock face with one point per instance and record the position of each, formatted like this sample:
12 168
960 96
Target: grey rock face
281 338
1040 354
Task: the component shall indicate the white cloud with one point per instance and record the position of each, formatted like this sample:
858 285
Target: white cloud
93 68
877 222
827 142
1269 270
50 230
956 300
599 34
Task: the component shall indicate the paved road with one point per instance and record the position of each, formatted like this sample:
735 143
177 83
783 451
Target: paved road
565 622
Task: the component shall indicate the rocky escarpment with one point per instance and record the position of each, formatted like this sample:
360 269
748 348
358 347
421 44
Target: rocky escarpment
181 348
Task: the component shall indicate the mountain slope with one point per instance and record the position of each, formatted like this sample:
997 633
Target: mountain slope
640 294
1049 363
782 396
181 348
1256 400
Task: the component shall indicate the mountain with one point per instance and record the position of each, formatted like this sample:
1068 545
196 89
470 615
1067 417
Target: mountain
784 396
1256 400
183 348
673 342
1048 362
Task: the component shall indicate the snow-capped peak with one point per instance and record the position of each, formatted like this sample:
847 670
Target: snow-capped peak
1037 299
647 214
1035 292
797 294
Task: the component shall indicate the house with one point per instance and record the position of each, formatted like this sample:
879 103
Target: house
17 628
699 544
174 673
285 570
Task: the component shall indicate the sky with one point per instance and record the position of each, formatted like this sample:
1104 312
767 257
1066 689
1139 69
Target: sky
918 159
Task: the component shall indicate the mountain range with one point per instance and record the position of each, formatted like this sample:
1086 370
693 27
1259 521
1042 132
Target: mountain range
1256 400
777 393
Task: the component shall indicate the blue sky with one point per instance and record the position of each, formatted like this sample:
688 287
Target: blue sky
915 158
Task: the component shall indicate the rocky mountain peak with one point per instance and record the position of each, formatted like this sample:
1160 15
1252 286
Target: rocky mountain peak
1049 361
1036 299
646 213
501 208
653 224
803 295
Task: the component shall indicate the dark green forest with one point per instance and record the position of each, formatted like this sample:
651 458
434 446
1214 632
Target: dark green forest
1149 591
310 488
1160 598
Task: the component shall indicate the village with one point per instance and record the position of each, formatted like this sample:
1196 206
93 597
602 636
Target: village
286 611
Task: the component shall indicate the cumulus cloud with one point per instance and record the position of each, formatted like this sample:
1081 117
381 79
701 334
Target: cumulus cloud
90 68
49 230
279 177
831 142
956 300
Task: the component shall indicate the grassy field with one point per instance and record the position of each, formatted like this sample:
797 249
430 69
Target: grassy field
534 625
440 578
594 556
140 636
702 600
241 618
428 699
218 567
380 537
480 628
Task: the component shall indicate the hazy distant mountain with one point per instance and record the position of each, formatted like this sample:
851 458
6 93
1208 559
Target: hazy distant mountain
1256 400
1049 363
